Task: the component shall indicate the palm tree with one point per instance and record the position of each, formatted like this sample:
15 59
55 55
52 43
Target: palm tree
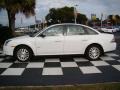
117 19
17 6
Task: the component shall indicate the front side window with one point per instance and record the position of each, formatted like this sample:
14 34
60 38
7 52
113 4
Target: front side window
54 31
75 30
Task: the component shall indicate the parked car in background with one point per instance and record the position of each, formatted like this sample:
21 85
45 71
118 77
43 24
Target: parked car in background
117 28
109 29
61 39
97 28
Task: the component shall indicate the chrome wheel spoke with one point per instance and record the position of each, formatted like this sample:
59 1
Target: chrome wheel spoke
94 52
23 54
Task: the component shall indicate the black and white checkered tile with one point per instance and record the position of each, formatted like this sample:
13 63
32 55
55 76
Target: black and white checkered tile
59 66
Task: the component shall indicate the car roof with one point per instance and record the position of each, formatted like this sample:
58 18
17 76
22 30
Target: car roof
72 24
68 24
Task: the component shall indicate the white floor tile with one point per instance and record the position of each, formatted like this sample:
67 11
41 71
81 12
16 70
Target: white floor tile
52 71
99 63
90 70
35 65
117 67
69 64
5 65
112 54
13 71
106 58
52 60
80 59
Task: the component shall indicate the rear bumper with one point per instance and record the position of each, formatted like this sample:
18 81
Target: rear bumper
110 47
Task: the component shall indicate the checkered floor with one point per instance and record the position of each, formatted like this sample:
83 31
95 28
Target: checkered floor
49 66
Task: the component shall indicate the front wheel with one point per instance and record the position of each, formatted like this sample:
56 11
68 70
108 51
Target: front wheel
93 52
23 53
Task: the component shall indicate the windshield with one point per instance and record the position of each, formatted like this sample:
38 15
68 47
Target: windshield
34 34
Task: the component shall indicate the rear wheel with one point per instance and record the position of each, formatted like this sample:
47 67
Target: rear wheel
93 52
23 53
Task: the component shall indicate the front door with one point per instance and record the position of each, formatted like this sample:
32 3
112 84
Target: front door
52 42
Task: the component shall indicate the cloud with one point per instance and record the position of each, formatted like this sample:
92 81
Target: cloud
84 6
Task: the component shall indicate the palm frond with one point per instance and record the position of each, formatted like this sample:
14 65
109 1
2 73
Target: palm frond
14 6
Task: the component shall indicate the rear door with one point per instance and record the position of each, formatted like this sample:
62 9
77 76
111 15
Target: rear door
74 40
77 39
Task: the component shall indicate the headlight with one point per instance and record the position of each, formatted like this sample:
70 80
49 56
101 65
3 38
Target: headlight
6 42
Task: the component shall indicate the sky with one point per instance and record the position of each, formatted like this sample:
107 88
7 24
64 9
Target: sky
87 7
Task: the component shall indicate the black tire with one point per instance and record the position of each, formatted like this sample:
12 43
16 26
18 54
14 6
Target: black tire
93 55
28 52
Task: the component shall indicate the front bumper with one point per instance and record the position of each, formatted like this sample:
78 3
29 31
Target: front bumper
8 50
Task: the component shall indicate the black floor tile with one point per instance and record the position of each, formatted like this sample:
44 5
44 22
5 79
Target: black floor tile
18 65
2 70
9 59
108 70
114 62
72 71
66 59
38 59
52 64
84 64
32 72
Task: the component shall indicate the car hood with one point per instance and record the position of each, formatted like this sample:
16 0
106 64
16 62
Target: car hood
21 37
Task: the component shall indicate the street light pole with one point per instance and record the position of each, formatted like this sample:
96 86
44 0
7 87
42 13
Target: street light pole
35 22
75 14
101 19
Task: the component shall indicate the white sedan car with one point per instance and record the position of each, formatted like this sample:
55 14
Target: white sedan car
61 39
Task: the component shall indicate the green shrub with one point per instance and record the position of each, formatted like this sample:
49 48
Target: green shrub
4 34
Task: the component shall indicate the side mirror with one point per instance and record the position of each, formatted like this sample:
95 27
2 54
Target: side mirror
42 35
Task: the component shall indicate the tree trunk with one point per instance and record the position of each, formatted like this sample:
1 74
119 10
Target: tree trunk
11 18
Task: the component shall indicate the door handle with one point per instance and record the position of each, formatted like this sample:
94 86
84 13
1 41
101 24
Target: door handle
57 41
85 40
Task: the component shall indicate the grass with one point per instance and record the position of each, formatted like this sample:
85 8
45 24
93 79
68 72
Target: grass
108 86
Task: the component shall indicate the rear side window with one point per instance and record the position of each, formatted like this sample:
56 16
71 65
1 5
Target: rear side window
75 30
90 31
